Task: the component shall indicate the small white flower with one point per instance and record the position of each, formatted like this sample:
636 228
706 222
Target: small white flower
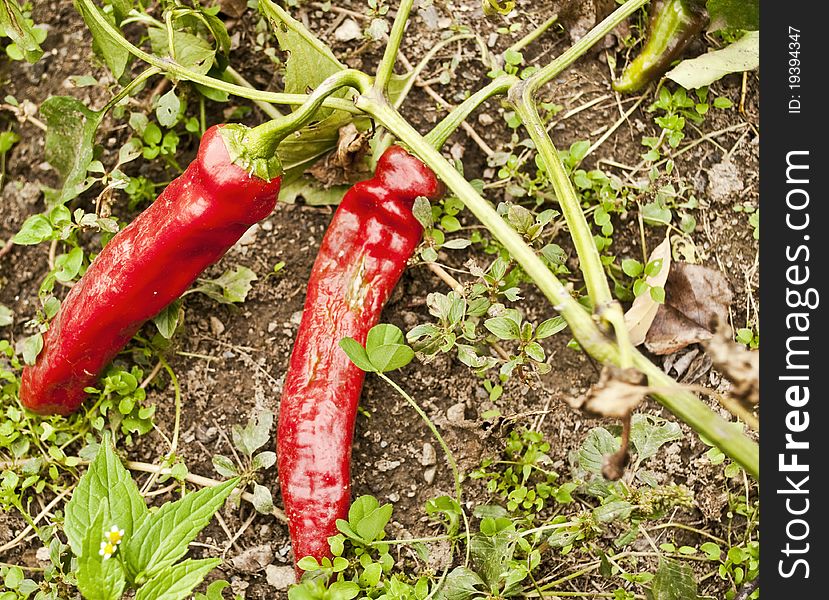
114 535
107 549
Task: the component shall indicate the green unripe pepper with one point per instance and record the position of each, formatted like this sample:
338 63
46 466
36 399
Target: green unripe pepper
673 25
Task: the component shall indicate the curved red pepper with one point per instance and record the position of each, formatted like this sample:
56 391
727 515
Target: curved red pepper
145 267
365 250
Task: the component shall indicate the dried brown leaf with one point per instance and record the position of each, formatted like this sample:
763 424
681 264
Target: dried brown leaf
738 364
696 298
615 395
642 312
345 164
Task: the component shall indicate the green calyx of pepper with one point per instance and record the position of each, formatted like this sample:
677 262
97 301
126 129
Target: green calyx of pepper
673 26
256 149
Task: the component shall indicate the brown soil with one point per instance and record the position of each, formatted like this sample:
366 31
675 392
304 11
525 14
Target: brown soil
249 357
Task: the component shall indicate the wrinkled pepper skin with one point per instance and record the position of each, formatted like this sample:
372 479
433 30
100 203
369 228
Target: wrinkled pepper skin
145 267
673 26
365 250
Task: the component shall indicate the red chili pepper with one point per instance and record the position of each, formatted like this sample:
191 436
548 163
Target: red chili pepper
145 267
365 250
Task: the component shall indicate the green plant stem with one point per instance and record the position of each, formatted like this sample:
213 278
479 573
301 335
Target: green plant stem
566 58
128 89
177 391
441 132
533 35
590 261
181 72
683 404
263 140
386 67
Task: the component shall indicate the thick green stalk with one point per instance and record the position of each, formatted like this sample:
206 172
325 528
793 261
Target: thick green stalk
683 404
386 67
181 72
578 49
441 132
590 261
255 149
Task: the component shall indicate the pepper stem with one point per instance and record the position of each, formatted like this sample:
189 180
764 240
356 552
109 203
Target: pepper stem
441 132
386 67
255 150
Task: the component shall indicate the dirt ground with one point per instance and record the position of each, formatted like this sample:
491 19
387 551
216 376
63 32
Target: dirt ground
243 351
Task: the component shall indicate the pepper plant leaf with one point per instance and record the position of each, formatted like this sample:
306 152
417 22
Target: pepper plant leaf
742 55
733 14
114 55
15 25
70 142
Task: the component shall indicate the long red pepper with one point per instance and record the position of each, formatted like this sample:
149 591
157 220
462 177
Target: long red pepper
365 250
145 267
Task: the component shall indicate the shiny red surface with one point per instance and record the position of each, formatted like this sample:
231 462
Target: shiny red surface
365 250
145 267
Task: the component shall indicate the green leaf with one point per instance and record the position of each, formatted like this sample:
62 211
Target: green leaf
673 581
262 499
32 346
70 140
461 584
550 327
733 14
654 213
367 518
311 192
7 140
167 109
162 538
491 555
383 334
99 579
114 55
232 286
15 25
599 442
614 510
647 437
177 582
189 50
357 354
35 229
255 434
108 483
390 357
632 267
167 320
503 328
224 466
742 55
69 265
422 211
214 591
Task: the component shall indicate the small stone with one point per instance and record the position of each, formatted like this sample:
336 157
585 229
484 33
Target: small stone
429 474
43 554
456 413
253 559
216 326
205 436
384 465
393 497
485 119
266 226
280 577
272 326
348 30
296 318
428 456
